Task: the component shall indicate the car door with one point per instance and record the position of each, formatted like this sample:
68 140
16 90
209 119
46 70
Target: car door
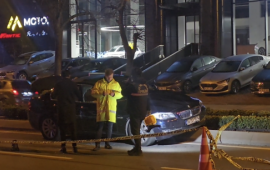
34 65
197 71
47 60
245 72
86 110
255 65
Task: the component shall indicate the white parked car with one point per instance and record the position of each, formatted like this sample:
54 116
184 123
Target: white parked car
119 51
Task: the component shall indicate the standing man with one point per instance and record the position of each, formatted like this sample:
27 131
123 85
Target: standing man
107 91
136 91
66 93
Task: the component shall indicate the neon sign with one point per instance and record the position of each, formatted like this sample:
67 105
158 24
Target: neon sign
12 23
35 21
6 36
42 33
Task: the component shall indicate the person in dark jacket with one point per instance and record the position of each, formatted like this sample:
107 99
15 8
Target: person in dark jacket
66 93
136 91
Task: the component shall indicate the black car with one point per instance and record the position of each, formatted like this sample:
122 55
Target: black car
173 111
260 84
72 64
99 65
185 74
15 92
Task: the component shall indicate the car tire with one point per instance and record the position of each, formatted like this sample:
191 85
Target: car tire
22 76
187 87
49 129
235 87
144 141
261 51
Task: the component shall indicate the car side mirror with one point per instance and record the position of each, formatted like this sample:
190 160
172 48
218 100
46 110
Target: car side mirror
194 69
242 68
30 62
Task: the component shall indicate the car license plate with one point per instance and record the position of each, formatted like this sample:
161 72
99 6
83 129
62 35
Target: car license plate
264 90
193 120
162 88
208 88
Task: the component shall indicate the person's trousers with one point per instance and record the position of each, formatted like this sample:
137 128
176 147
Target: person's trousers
135 126
64 127
100 126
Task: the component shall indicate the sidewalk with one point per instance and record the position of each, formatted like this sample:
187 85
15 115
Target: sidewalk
239 107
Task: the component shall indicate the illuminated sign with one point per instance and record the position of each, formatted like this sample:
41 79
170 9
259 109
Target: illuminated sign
35 21
5 35
31 34
12 23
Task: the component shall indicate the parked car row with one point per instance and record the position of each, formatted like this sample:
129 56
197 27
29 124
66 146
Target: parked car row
215 76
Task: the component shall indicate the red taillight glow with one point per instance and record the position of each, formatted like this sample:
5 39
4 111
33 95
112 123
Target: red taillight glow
36 92
15 92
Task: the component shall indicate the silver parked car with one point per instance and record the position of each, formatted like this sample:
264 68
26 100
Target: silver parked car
232 73
28 64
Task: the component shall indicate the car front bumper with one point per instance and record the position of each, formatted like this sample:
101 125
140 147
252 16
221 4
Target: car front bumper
264 88
214 88
177 124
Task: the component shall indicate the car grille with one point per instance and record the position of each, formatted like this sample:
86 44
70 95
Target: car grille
163 84
209 85
189 113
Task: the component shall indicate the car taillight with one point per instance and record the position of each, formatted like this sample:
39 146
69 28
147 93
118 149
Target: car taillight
36 92
15 92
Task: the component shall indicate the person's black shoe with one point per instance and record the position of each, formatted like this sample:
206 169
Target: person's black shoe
63 148
135 152
97 147
108 146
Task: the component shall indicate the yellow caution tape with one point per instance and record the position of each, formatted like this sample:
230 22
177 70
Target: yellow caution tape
219 153
106 139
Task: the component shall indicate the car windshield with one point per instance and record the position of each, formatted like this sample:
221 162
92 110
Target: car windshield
63 65
113 49
226 66
180 66
21 60
21 84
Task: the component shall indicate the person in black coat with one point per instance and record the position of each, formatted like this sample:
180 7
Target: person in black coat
136 91
66 93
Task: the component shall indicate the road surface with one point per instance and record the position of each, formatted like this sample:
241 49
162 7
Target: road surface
165 156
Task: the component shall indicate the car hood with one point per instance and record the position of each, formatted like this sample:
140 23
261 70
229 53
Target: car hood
263 76
214 77
10 68
169 101
169 78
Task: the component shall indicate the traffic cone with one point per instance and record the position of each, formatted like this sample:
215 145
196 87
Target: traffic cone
204 162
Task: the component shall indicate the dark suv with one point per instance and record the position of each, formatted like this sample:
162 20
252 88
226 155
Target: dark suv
15 92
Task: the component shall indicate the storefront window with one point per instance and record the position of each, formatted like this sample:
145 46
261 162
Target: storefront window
249 27
89 41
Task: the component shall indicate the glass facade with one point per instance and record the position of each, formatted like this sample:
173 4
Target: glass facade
95 38
251 25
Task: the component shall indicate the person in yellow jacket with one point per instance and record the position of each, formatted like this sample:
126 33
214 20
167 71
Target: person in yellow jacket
107 91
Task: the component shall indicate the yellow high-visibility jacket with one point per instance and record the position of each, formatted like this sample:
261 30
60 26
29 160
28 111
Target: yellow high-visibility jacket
106 105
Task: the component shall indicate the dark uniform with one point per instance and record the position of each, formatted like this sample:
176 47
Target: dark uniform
136 91
66 93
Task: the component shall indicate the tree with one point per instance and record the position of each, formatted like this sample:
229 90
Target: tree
59 16
117 9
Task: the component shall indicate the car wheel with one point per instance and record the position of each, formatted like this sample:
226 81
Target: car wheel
235 87
261 51
49 129
22 76
143 130
187 87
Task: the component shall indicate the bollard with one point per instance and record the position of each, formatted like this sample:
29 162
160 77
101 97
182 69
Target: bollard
15 146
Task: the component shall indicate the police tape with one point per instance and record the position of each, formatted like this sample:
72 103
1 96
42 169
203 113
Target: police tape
105 139
219 153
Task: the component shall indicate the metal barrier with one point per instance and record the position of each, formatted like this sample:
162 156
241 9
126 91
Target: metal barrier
153 71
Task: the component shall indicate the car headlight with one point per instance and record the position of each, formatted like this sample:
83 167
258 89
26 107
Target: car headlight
226 81
164 115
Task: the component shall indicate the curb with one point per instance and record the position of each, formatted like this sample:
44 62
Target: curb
16 125
238 138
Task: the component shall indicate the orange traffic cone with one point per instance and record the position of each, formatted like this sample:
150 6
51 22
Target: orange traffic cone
204 163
